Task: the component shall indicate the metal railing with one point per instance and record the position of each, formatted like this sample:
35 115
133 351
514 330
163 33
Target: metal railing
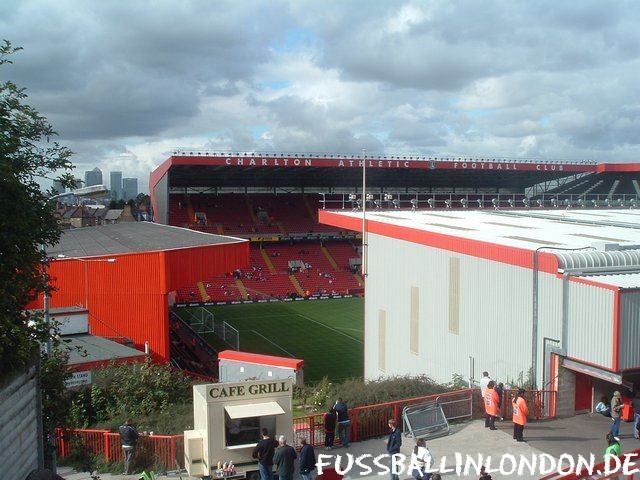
391 200
376 156
164 449
367 422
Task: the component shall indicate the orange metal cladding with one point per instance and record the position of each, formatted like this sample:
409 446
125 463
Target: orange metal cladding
187 266
129 297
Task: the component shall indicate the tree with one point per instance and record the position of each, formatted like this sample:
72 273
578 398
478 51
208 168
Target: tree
143 201
27 155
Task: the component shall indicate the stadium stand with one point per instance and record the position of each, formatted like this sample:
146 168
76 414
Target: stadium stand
189 351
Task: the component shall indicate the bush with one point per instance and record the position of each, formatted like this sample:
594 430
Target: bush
357 393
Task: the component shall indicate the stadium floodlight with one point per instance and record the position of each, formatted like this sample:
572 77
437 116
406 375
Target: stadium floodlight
414 204
429 202
554 202
447 203
395 203
479 203
463 202
510 201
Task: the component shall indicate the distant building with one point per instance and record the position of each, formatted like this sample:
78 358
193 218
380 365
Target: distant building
130 188
58 188
77 183
93 177
116 185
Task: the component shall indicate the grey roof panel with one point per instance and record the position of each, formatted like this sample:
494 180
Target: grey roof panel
130 237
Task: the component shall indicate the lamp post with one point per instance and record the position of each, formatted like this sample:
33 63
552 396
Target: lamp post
364 269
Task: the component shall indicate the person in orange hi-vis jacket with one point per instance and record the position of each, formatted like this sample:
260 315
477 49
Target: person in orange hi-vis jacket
491 404
520 412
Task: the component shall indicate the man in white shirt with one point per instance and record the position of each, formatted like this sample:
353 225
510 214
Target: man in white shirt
484 381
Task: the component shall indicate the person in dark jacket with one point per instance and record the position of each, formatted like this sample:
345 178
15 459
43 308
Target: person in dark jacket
264 451
128 438
344 422
307 459
330 419
394 442
283 459
500 391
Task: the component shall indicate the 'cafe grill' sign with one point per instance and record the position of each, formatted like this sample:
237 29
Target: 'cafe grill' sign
236 391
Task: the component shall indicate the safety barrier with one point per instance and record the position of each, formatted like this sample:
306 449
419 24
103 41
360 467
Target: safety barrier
371 421
367 422
541 403
164 449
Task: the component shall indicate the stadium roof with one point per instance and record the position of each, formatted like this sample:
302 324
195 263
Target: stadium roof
130 237
524 229
621 280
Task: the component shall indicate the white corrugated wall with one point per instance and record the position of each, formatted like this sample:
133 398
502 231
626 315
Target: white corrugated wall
590 329
493 318
629 352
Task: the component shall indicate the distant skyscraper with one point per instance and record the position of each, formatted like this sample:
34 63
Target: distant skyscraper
130 188
93 177
58 188
116 185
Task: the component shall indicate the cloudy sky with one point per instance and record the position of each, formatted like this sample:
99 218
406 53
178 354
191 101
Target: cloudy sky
126 82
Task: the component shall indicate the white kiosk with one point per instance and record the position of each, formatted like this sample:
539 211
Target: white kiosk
227 420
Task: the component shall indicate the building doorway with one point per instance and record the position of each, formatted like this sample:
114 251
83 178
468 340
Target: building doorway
583 393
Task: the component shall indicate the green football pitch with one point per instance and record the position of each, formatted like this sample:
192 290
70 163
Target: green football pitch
326 334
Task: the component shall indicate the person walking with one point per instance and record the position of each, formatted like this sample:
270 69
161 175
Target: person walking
635 403
330 418
421 457
490 406
128 438
520 412
284 458
616 410
344 422
394 442
307 460
264 451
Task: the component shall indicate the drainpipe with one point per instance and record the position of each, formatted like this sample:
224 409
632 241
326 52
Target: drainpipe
534 333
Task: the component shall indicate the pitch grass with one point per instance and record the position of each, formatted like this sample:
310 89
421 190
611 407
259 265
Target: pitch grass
326 334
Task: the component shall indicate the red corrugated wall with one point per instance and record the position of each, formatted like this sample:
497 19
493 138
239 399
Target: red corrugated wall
130 296
200 263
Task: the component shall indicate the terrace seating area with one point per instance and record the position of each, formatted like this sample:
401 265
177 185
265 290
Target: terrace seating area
246 215
189 351
604 184
282 271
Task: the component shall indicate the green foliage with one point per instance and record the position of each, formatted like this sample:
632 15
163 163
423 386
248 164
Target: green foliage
158 397
27 155
55 396
358 393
